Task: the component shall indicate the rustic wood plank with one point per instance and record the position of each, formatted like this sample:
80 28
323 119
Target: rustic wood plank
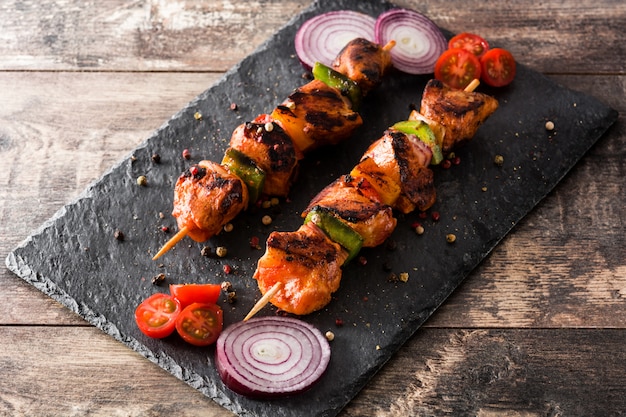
151 35
212 36
81 371
556 372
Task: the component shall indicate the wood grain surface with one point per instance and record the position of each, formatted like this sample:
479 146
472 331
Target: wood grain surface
538 329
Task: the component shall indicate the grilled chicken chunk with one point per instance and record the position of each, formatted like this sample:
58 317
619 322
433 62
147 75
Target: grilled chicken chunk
460 112
271 149
206 197
307 264
405 159
363 62
316 115
358 204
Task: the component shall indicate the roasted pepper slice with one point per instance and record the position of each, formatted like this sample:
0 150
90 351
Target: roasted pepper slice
336 230
335 79
424 133
246 169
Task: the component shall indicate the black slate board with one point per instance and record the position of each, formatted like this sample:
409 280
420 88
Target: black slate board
75 259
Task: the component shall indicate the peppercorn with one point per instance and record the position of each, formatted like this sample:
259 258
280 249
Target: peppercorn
165 229
227 269
158 279
142 180
338 322
156 158
221 251
549 125
266 220
330 336
118 235
205 251
445 164
254 242
186 153
435 216
233 106
404 276
226 286
231 297
197 115
228 227
450 238
419 230
498 160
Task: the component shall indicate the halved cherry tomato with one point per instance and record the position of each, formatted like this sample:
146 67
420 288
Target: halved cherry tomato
200 324
470 42
498 67
156 315
195 293
457 68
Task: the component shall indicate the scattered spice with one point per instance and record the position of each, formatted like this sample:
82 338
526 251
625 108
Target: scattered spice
450 238
266 204
165 229
158 279
254 242
266 220
549 125
483 189
231 297
197 115
498 160
221 251
156 158
186 153
142 180
362 260
233 106
205 251
403 276
392 277
228 227
445 164
274 201
227 269
435 216
226 286
456 160
118 235
338 322
419 229
330 336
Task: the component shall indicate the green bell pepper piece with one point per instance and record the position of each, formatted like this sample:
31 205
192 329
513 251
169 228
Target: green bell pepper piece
337 80
421 129
246 169
336 230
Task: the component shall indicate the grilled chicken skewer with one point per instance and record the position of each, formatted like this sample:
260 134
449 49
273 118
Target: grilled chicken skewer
303 268
263 155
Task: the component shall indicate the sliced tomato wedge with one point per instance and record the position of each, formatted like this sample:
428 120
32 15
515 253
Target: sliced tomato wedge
200 324
498 67
156 315
457 68
470 42
195 293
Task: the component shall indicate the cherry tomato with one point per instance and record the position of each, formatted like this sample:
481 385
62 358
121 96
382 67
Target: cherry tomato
498 67
195 293
457 68
156 315
200 324
470 42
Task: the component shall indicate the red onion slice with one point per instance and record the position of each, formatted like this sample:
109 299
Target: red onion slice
268 357
322 37
419 41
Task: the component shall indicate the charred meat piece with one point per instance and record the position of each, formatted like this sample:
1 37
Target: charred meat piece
358 205
267 144
316 115
363 62
206 197
460 112
307 264
405 159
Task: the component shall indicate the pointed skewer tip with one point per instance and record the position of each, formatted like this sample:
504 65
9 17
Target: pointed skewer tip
264 300
171 243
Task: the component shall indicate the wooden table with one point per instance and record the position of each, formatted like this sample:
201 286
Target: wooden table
538 329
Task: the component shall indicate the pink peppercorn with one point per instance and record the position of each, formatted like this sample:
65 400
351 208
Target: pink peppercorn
186 154
227 269
435 216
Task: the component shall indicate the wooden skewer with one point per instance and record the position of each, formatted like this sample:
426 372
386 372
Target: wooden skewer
171 243
472 86
264 300
389 45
